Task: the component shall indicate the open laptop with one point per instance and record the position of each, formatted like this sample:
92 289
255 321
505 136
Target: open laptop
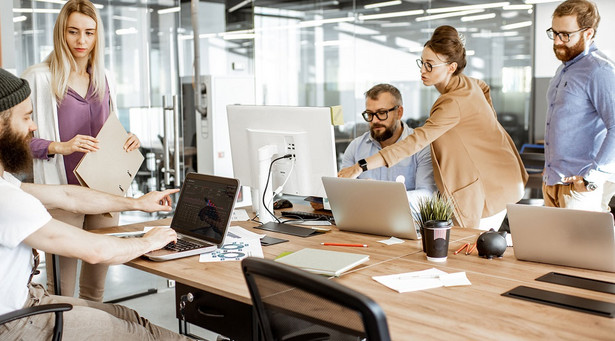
202 215
370 206
581 239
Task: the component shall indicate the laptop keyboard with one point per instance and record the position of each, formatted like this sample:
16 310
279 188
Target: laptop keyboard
307 215
182 245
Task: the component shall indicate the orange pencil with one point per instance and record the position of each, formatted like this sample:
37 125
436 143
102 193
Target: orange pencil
463 247
470 249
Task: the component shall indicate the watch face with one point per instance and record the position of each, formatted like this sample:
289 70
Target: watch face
591 186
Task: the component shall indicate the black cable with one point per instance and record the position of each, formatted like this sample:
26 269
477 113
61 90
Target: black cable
287 156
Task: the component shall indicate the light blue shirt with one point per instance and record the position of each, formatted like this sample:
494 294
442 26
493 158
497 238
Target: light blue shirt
417 170
580 127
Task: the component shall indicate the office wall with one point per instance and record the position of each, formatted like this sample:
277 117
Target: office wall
545 63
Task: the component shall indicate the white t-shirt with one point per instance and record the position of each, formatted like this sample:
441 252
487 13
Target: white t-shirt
20 215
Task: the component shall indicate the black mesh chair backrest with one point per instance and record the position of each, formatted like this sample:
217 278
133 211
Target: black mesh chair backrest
292 304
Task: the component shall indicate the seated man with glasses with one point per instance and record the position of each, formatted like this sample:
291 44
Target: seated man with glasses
384 110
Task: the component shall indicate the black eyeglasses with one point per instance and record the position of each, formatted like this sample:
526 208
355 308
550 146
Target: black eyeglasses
563 36
381 114
428 66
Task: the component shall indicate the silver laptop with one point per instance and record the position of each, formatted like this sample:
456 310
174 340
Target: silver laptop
581 239
202 215
370 206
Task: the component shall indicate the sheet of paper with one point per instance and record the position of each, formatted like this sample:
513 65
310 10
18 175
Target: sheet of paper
240 215
240 232
235 247
391 241
422 280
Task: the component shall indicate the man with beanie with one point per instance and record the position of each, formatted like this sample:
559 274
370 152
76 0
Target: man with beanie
26 226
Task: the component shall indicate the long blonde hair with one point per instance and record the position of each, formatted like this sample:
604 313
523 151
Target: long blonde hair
61 61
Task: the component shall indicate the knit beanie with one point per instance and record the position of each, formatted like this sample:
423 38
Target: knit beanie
13 90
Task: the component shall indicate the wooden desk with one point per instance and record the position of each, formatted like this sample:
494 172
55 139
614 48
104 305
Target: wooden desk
470 312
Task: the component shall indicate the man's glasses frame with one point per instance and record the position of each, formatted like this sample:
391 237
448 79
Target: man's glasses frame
381 114
428 66
563 36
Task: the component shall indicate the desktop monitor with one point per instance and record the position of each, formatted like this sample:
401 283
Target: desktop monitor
260 134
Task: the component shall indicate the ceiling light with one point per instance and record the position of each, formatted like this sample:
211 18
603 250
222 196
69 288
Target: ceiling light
19 18
395 24
383 4
125 31
533 2
448 15
478 17
320 22
390 15
36 10
516 25
59 2
494 34
469 7
239 5
168 10
517 7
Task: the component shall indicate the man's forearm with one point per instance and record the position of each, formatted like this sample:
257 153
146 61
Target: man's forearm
79 199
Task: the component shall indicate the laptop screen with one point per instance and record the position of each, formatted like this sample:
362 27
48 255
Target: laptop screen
205 207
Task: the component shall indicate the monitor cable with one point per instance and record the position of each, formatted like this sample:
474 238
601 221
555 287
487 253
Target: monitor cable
287 156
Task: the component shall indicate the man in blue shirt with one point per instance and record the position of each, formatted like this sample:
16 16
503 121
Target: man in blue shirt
384 110
580 127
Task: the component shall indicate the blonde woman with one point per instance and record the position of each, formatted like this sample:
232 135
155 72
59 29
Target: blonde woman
72 97
475 162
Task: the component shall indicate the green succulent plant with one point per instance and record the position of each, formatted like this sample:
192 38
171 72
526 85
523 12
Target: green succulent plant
436 207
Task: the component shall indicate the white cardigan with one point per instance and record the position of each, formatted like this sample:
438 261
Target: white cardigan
45 115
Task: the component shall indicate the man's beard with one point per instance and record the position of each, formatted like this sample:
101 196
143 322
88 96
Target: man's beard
15 154
385 135
565 53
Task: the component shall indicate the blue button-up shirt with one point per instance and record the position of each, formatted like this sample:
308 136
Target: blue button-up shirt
416 170
580 127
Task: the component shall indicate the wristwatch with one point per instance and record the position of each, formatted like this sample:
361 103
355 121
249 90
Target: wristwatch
590 186
363 164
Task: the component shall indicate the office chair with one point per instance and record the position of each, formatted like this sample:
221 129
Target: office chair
292 305
57 308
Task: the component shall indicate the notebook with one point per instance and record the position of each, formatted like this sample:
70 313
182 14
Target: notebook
202 215
576 238
371 206
323 262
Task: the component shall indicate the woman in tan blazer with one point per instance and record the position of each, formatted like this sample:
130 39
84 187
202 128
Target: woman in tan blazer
475 161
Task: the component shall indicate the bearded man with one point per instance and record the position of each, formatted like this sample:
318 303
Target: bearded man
383 111
580 126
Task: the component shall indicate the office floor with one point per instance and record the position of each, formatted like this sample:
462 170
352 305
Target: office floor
123 281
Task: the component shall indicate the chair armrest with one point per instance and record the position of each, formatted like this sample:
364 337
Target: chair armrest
35 310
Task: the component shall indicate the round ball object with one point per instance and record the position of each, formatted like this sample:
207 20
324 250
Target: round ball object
491 244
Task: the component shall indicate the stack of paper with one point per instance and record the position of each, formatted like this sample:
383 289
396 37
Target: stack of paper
421 280
323 262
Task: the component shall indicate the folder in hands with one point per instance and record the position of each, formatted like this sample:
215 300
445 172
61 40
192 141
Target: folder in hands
110 169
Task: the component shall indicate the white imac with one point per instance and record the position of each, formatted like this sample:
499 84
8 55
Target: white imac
260 134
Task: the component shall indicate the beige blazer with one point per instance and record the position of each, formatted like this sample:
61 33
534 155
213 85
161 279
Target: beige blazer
475 161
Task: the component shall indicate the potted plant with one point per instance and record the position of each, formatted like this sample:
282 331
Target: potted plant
434 211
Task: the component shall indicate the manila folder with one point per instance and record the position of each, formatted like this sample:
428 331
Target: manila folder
110 169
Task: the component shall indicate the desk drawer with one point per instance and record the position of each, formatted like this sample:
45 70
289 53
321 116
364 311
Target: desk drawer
216 313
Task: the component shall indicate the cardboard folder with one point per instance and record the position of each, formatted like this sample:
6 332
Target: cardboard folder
110 169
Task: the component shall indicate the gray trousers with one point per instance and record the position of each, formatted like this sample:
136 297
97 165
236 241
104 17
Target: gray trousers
86 321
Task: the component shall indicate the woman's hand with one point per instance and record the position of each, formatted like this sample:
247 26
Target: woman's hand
350 172
132 143
79 143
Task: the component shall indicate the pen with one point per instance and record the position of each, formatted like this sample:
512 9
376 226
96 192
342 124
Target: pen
342 244
462 247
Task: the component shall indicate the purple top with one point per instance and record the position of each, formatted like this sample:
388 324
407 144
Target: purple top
76 116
